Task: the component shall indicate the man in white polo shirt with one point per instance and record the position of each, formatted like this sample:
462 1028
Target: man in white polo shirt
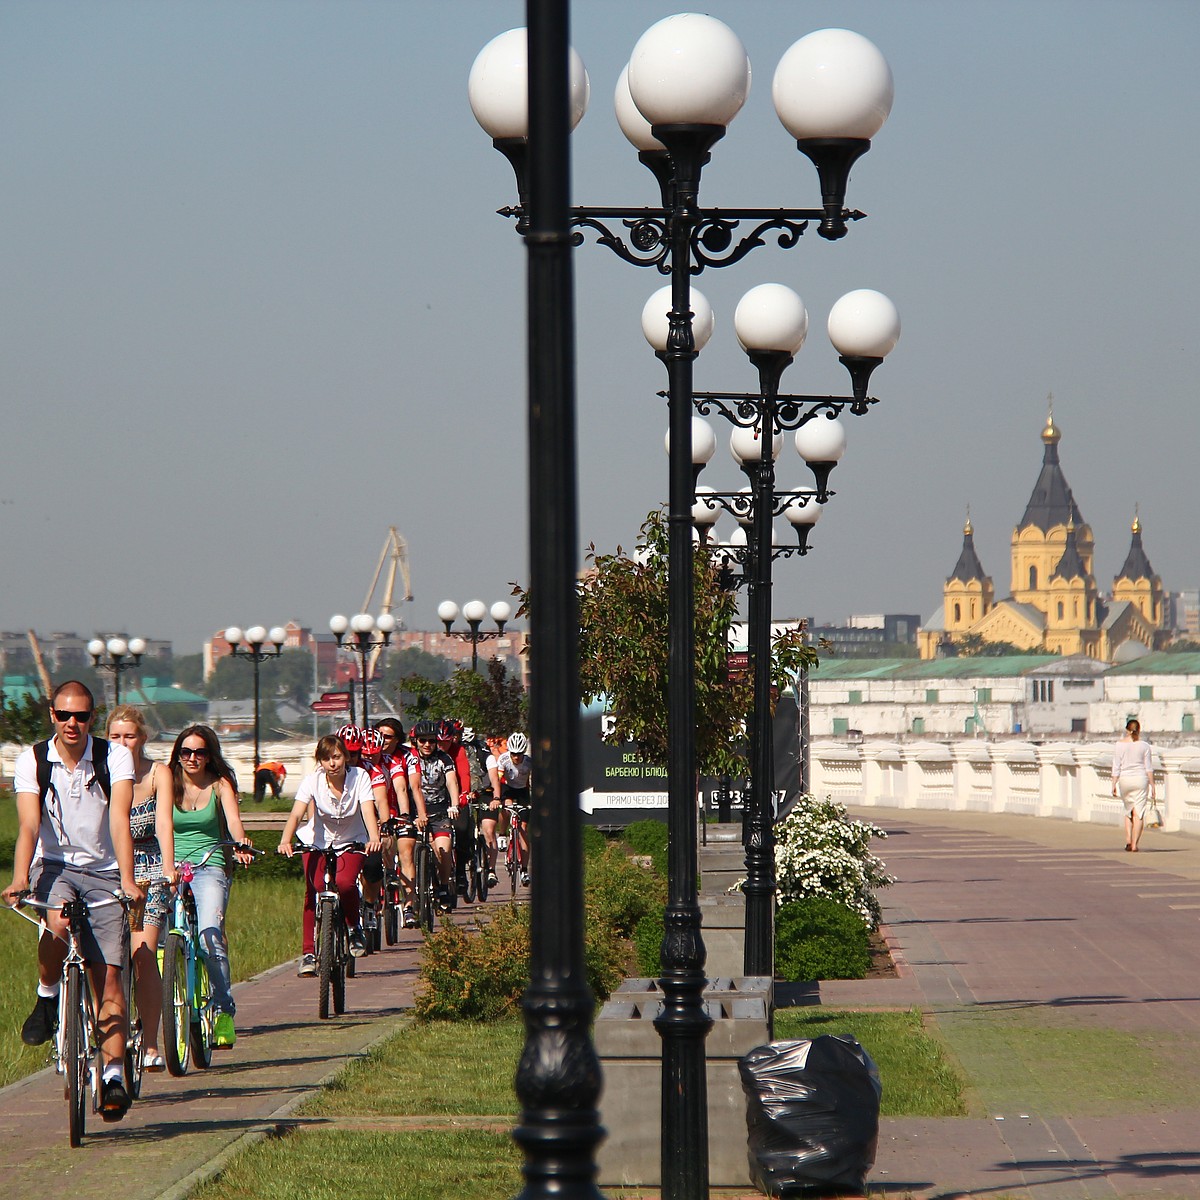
76 843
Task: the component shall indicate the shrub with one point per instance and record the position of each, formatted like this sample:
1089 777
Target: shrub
820 851
649 837
593 841
820 939
475 977
620 891
481 975
647 944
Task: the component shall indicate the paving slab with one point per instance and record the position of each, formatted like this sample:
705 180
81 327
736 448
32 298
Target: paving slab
1004 914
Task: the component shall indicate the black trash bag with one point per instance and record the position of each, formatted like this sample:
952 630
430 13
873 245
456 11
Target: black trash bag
813 1115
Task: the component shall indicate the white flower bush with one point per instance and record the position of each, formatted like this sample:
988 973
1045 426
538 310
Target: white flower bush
821 851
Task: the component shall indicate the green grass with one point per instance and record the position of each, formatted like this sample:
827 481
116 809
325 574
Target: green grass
919 1079
345 1165
474 1076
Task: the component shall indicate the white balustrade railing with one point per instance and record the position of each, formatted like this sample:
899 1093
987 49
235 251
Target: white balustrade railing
1069 781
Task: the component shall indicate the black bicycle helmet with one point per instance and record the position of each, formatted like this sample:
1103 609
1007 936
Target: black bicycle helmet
424 729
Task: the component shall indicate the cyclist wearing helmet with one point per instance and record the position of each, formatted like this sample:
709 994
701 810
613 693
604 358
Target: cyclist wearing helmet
405 803
450 733
485 788
514 768
439 785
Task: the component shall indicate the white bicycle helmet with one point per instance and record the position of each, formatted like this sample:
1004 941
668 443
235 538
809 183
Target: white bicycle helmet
518 743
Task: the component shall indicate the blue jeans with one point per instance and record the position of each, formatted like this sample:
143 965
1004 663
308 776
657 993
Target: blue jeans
210 887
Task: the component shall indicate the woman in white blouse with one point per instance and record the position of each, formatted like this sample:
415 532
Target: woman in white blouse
1133 780
336 805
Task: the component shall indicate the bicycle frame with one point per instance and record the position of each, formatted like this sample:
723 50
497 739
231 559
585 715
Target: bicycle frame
77 1040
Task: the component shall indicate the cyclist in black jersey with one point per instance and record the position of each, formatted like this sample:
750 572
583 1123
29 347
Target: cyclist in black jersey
439 785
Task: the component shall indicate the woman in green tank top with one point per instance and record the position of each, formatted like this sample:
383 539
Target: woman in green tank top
206 814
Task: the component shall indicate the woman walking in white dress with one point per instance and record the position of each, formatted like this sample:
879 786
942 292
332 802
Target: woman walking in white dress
1133 780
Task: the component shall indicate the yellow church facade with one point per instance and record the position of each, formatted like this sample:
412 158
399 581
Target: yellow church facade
1054 605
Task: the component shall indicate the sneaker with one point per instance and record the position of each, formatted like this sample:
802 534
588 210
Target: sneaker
462 885
524 878
410 917
370 919
114 1100
224 1035
442 897
492 880
358 943
40 1025
308 965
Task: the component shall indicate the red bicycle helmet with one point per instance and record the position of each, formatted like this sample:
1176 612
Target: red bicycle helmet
448 728
372 741
352 736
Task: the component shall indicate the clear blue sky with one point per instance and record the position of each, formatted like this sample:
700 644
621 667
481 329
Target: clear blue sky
257 305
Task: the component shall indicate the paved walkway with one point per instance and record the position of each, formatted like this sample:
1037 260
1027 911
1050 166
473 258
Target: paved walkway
183 1129
1048 922
1004 915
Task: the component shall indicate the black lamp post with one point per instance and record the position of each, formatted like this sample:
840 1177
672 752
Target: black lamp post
771 324
473 612
687 78
251 644
368 635
122 656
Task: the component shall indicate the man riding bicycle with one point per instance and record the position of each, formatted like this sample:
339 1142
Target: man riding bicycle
514 768
74 842
439 785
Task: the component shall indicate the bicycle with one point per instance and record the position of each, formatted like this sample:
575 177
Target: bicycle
425 874
393 896
188 1017
334 960
512 847
477 863
77 1040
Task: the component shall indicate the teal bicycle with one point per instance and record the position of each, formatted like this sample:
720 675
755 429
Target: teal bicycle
188 1017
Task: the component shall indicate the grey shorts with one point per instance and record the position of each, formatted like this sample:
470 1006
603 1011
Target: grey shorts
106 935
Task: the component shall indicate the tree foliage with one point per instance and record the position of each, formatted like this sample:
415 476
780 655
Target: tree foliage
24 721
493 702
623 607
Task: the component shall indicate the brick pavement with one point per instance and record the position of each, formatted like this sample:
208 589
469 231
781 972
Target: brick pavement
1013 915
993 913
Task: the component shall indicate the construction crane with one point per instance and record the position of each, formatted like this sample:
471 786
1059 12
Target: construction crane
395 554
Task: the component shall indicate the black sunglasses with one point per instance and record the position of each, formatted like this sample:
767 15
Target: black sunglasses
65 714
192 752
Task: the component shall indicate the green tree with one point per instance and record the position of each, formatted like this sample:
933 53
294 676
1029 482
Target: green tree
623 652
187 670
288 677
973 645
494 702
24 721
412 660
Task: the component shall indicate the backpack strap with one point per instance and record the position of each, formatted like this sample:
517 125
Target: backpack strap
41 754
100 766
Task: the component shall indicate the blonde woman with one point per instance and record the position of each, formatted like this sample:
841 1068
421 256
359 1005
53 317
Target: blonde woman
151 825
1133 780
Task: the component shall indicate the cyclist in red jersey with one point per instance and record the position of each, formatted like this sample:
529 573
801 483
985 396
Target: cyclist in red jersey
398 765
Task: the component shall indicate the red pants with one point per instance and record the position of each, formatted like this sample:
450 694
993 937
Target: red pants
349 865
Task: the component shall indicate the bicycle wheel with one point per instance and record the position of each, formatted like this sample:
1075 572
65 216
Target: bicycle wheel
177 1006
391 916
481 868
342 966
325 951
204 1020
424 876
75 1054
512 863
134 1042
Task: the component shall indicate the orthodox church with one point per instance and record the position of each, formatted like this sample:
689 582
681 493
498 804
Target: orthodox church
1055 605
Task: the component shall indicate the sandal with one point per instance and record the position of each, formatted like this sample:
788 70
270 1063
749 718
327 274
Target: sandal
153 1061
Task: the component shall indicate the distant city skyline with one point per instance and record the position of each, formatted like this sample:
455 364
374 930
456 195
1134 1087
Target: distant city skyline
259 306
